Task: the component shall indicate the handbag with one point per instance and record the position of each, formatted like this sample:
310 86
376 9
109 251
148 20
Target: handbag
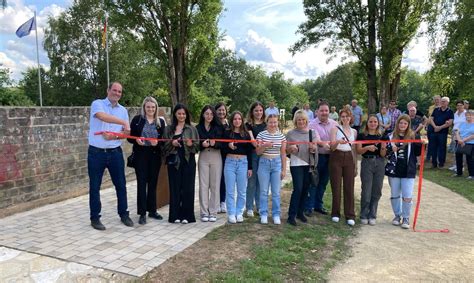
313 170
131 160
466 149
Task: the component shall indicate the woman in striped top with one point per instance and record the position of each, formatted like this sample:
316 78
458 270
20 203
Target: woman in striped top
271 167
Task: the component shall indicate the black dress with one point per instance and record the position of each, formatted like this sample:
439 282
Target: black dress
182 181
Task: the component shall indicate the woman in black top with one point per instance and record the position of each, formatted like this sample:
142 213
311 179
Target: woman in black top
181 163
372 169
255 124
148 157
237 168
209 164
221 111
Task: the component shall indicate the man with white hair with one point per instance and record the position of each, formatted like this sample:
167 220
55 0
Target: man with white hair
440 121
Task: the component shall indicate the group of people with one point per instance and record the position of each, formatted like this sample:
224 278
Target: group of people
242 160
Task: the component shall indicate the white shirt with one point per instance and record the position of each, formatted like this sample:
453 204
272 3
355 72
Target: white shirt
273 110
458 119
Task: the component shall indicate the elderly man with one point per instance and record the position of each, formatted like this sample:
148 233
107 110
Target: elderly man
323 125
356 114
440 121
333 114
105 152
416 120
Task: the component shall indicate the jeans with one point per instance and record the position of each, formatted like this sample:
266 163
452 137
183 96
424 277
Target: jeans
314 198
429 135
372 172
269 175
235 174
401 188
253 186
438 148
300 176
97 161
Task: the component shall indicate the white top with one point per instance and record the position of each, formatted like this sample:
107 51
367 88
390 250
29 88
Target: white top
276 139
458 119
340 136
296 161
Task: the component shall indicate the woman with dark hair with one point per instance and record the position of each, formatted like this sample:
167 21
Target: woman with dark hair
238 167
181 163
255 124
147 154
342 168
221 111
372 169
209 164
401 170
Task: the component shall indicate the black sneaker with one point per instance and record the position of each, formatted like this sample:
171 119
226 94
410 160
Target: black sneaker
321 210
127 221
155 215
96 224
308 213
302 218
141 220
291 221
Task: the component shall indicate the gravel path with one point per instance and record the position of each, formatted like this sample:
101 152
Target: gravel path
385 252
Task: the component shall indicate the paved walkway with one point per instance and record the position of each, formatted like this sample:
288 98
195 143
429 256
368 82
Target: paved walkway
62 232
388 253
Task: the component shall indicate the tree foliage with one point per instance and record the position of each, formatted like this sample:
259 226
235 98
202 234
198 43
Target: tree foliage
182 35
10 96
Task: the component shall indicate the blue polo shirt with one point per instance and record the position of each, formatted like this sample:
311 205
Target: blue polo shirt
357 114
97 125
440 117
465 130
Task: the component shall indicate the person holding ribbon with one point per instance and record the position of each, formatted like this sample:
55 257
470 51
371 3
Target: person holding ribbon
300 150
271 146
254 125
342 167
209 164
238 167
372 169
221 111
401 169
181 146
147 156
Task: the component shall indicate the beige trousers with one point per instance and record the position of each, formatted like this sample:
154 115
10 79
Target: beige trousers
210 173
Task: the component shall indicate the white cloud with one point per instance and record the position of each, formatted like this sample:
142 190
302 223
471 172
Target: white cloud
417 54
273 14
227 43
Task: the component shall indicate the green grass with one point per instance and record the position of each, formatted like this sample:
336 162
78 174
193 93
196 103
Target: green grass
303 253
444 178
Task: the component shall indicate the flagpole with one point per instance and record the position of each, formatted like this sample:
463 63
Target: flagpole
37 59
107 46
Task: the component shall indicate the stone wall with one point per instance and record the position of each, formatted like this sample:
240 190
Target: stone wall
43 156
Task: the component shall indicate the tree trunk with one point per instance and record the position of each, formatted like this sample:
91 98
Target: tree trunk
370 65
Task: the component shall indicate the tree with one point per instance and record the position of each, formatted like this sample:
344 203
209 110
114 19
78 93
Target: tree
355 27
414 86
10 96
29 85
182 35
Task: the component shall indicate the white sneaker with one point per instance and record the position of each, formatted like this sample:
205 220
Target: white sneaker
351 222
335 219
204 218
232 219
263 219
276 220
372 221
396 221
240 218
212 218
223 207
184 221
177 221
249 213
405 223
364 221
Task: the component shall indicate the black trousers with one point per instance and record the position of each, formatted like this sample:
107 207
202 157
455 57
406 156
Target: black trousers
181 183
469 161
147 169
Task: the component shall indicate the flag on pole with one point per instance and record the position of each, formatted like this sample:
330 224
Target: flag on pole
26 28
104 33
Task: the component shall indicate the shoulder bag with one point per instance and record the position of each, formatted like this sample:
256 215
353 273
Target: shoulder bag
313 170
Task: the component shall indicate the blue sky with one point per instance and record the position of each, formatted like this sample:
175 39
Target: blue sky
261 31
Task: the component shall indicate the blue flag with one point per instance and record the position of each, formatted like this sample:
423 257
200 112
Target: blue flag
26 28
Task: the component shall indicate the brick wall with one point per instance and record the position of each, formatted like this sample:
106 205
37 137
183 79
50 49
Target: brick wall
43 156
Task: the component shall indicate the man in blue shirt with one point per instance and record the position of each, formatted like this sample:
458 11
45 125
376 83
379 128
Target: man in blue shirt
105 152
440 121
272 109
357 114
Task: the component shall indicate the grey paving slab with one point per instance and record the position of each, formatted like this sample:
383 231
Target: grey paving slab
62 231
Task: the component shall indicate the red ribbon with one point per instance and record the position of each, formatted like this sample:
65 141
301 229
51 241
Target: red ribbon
420 175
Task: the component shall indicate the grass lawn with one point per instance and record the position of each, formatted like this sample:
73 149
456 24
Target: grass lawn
253 252
444 178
